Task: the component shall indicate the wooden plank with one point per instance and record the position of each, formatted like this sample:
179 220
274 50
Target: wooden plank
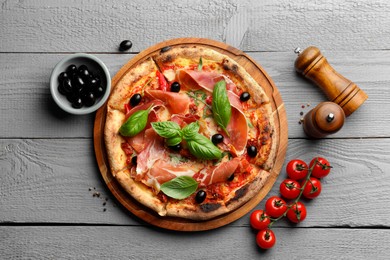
99 26
48 181
24 81
130 242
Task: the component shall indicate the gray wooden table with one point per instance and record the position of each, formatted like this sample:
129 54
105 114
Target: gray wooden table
48 174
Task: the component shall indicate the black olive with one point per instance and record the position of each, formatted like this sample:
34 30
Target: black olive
93 84
125 45
98 81
175 87
231 177
175 147
62 76
89 99
61 89
77 103
217 138
71 97
166 48
200 196
252 151
78 83
83 71
135 99
67 85
134 160
71 69
245 96
99 91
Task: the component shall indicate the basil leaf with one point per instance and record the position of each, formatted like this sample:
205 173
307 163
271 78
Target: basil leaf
135 123
202 148
180 187
173 141
222 110
190 130
200 65
167 129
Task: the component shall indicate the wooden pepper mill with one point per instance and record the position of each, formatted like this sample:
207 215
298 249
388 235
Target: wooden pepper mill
325 119
313 65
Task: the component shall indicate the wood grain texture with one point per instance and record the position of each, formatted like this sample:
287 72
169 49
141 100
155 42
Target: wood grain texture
139 242
99 26
24 82
48 181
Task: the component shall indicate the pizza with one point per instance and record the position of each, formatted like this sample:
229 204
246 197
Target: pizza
189 133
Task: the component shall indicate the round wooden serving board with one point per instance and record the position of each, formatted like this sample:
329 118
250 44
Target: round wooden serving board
170 223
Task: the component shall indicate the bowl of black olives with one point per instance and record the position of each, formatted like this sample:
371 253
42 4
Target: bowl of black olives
80 84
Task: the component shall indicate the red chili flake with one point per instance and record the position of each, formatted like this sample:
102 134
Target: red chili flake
303 106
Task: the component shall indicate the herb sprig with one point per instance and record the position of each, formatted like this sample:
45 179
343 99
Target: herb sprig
198 145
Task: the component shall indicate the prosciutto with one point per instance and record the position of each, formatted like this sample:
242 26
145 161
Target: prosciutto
153 151
163 171
177 103
138 141
238 126
194 79
154 166
219 173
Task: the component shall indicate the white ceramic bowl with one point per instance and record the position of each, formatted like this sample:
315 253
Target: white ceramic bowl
95 66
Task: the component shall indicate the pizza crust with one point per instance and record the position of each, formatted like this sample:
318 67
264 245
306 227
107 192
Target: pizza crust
136 77
140 192
211 210
145 73
113 140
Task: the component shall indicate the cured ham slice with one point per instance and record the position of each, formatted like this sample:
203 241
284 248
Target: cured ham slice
177 103
153 104
183 120
194 79
163 171
238 126
153 151
219 173
138 142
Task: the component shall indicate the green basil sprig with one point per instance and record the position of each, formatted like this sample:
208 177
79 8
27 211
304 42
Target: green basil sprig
203 148
190 130
200 64
222 109
180 187
135 123
167 129
199 146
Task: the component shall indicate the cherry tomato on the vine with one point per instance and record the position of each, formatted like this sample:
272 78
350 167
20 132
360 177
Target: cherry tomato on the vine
321 169
275 206
297 213
265 238
312 189
290 189
259 219
296 169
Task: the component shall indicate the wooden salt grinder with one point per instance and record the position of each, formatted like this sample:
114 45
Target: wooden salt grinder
314 66
325 119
